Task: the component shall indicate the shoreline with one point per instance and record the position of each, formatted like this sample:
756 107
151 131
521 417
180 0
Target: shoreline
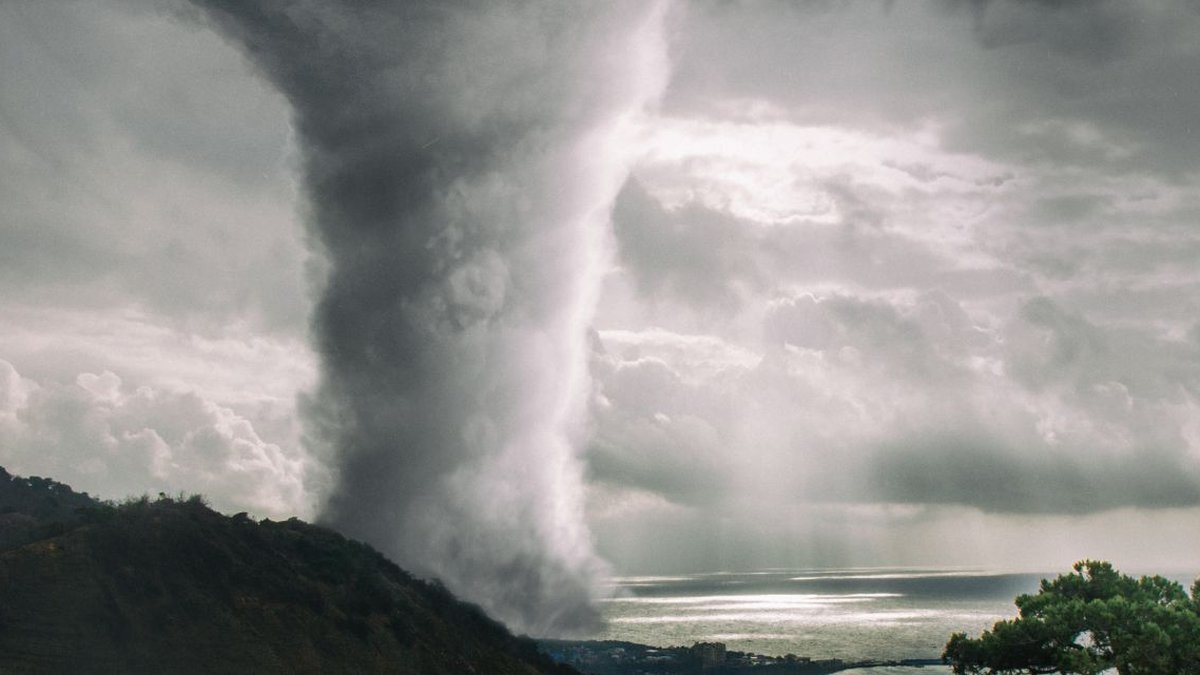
619 657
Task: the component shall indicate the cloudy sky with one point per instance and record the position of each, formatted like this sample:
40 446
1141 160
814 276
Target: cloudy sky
889 283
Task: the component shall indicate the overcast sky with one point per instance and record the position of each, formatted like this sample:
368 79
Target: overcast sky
892 283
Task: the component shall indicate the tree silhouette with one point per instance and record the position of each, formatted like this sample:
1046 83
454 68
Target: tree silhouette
1088 622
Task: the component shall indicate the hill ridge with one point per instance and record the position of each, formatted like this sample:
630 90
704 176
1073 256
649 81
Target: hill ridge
170 585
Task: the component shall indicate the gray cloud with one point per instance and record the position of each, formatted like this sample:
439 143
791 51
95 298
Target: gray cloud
1012 301
696 254
1087 31
101 435
1049 345
911 403
458 161
977 471
659 433
900 272
875 329
1110 435
143 166
1125 70
700 257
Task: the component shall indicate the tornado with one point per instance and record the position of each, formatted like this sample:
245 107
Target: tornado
459 161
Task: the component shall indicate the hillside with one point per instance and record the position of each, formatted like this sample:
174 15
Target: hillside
34 508
171 586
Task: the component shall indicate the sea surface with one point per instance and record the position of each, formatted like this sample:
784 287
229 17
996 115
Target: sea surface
849 614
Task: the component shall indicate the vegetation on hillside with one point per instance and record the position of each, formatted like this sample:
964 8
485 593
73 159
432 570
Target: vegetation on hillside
1091 621
169 585
34 508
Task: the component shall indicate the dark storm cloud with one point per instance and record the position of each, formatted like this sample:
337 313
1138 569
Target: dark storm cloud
459 161
1130 452
862 401
1081 83
1049 346
659 433
1127 69
940 253
978 471
676 459
1084 29
1000 322
695 254
1122 253
830 50
708 260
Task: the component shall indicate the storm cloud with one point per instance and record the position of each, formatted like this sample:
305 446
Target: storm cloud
962 301
460 164
889 283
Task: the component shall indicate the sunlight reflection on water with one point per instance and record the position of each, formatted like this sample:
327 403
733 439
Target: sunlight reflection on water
872 614
925 670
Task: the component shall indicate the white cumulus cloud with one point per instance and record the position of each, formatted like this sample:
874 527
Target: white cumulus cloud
113 441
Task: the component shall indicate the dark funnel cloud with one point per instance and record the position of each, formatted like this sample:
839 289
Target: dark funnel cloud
460 160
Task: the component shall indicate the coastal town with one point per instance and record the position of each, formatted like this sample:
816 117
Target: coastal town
610 657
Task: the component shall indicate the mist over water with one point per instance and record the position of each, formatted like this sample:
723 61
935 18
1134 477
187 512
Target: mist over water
460 161
853 614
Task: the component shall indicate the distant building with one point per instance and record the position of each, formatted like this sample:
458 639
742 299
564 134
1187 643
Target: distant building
709 654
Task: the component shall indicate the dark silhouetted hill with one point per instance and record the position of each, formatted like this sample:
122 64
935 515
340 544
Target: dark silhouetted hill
171 586
35 507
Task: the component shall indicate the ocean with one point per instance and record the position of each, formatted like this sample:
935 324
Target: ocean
848 614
